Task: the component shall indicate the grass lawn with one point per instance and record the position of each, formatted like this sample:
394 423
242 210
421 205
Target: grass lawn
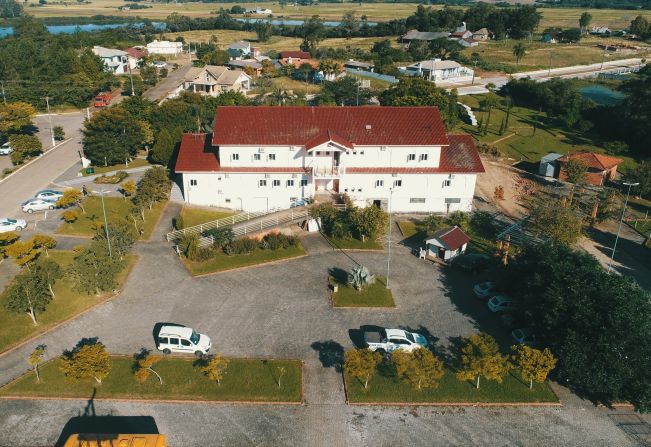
350 243
386 388
245 380
17 327
136 163
196 216
288 84
415 234
221 261
116 209
375 295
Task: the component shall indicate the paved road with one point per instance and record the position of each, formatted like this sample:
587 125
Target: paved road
172 81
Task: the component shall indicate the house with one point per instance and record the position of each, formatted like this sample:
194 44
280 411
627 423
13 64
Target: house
467 42
136 55
239 49
263 157
357 65
243 64
600 31
295 55
259 11
438 70
414 35
601 168
116 61
481 34
465 34
165 47
213 80
447 243
548 164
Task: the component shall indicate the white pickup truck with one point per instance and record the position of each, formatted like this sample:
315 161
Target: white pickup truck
388 340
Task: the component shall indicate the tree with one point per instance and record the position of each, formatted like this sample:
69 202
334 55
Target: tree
59 133
128 188
433 222
312 31
551 219
50 270
25 147
89 359
263 31
112 136
346 91
44 242
576 171
7 239
361 364
639 26
22 252
369 221
214 367
163 148
16 116
71 197
121 236
27 293
10 9
533 364
279 96
635 111
584 22
349 24
36 358
305 69
143 367
217 57
421 368
70 216
639 174
488 102
154 187
93 270
480 356
519 50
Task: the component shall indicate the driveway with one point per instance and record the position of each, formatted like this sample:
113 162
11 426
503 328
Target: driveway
164 87
282 310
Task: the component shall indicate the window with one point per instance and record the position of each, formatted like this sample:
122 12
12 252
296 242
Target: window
227 200
359 189
276 183
174 341
361 152
163 340
411 157
193 183
272 156
379 183
397 183
262 183
304 182
345 189
417 200
219 191
219 178
256 157
423 157
235 157
354 152
185 342
290 183
447 183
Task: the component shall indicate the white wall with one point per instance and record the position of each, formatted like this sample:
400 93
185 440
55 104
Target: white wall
284 156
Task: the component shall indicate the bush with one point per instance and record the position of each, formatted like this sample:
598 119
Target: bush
70 216
178 222
59 134
203 254
221 236
189 245
241 246
111 179
616 147
275 241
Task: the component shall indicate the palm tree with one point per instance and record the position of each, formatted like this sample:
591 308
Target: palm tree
279 96
306 69
519 50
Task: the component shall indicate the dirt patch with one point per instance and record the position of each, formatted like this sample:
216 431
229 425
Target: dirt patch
499 174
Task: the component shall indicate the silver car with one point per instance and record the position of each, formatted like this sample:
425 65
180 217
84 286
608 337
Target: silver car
38 205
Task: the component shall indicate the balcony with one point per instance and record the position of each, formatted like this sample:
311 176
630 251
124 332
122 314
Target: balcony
328 171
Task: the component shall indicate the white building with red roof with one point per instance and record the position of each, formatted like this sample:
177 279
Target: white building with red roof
259 158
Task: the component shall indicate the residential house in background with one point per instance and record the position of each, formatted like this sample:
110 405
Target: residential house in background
213 80
437 70
136 55
264 157
165 47
116 61
284 55
600 31
481 34
239 50
260 11
425 36
467 43
243 64
601 168
357 65
447 243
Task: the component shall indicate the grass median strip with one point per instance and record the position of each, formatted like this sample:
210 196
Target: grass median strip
16 327
375 295
245 380
350 243
386 388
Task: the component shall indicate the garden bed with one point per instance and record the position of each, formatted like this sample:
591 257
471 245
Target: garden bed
355 244
245 380
375 295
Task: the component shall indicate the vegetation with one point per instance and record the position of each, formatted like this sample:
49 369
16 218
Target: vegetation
361 364
36 358
480 357
353 224
89 359
420 367
360 278
533 363
375 295
246 380
190 217
214 367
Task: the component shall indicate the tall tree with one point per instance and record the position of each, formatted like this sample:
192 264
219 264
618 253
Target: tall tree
636 110
93 271
584 22
25 147
121 236
369 221
44 242
576 171
639 26
6 240
50 270
215 367
71 197
551 219
112 136
88 360
639 174
16 116
263 31
27 293
312 31
480 356
345 91
361 364
36 358
533 363
163 148
421 368
10 9
519 50
349 24
23 253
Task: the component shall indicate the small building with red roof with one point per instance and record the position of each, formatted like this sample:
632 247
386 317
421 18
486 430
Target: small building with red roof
265 157
447 243
601 168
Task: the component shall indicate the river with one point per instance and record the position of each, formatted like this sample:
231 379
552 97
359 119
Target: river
70 29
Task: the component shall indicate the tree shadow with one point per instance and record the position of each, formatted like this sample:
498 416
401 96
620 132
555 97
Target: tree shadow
108 427
331 354
340 275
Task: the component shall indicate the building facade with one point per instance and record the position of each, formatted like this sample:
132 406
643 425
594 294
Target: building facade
261 158
213 80
165 47
116 61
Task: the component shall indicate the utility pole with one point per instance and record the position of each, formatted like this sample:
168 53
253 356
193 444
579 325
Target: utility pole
49 115
612 257
389 238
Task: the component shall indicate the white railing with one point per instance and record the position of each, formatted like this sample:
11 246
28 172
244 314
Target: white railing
328 171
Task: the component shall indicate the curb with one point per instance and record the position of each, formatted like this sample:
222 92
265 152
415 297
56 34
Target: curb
21 167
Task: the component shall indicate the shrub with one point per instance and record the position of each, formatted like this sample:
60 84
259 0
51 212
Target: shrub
111 179
59 134
188 245
203 254
221 236
275 241
70 216
240 246
178 222
360 277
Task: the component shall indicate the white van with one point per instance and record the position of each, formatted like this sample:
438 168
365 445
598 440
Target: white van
182 339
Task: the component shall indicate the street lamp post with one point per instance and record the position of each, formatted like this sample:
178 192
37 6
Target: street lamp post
619 227
106 230
49 116
389 238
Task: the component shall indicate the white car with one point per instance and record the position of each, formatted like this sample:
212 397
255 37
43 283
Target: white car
160 64
388 340
38 205
523 336
501 303
178 338
5 149
7 224
483 290
49 194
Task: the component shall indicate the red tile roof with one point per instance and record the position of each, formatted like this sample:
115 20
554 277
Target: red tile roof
295 126
593 160
452 238
137 53
295 54
326 136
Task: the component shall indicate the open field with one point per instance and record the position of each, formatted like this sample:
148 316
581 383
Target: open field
244 380
16 327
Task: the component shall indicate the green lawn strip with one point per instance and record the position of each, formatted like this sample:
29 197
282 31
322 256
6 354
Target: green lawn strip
375 295
386 388
252 380
355 244
197 216
116 209
16 327
136 163
221 261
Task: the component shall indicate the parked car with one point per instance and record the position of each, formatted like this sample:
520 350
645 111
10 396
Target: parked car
5 149
472 262
501 303
388 340
484 290
182 339
38 205
524 336
160 64
7 224
49 194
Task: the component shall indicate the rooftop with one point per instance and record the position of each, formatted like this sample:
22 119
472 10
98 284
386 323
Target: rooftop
295 54
593 160
219 75
452 238
107 52
435 65
423 35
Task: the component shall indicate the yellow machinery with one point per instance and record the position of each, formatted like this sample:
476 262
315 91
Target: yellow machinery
112 440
